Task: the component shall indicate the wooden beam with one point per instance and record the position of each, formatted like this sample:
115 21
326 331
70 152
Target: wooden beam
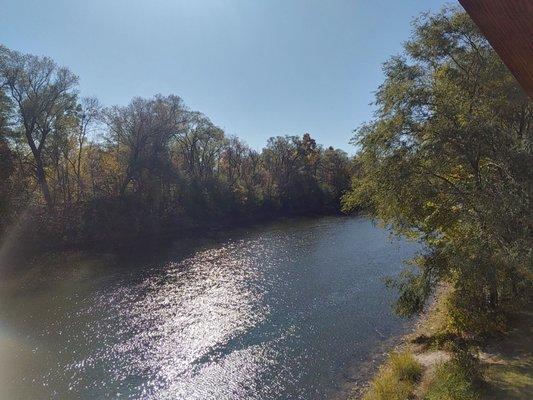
508 26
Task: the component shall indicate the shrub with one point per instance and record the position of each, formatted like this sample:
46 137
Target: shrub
455 380
405 367
396 379
387 387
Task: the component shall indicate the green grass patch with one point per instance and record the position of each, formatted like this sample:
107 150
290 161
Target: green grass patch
396 379
405 367
456 379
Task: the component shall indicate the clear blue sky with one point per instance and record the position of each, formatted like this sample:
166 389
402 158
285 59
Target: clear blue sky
257 68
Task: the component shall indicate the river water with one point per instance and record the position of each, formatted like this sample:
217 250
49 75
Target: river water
280 311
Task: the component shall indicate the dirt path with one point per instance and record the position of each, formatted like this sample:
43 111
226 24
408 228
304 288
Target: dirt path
508 362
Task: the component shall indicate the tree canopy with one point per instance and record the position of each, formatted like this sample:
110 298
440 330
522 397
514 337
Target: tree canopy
448 159
83 173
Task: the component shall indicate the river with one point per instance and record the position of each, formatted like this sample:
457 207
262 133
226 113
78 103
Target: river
280 311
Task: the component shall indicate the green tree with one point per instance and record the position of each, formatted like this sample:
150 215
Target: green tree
43 94
334 173
113 174
140 134
447 159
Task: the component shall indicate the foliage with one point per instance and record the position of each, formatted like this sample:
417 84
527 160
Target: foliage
81 173
447 160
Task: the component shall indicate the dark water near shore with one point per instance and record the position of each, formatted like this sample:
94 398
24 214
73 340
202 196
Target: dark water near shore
276 312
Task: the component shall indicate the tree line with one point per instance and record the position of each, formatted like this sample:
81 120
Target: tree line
79 173
448 160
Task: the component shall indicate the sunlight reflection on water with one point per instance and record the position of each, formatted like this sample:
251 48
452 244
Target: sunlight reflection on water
187 317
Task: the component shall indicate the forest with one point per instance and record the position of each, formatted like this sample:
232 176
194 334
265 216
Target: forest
75 173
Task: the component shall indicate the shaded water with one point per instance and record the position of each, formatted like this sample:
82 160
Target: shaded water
277 312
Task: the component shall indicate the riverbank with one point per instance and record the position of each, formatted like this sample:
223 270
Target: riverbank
433 363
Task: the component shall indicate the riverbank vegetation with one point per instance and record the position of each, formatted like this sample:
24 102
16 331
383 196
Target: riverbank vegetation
76 174
396 379
447 160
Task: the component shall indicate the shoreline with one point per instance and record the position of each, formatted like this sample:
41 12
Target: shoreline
12 254
418 327
355 386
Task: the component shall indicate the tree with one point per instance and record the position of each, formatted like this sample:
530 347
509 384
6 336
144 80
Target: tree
140 134
200 144
6 160
88 114
334 174
446 160
281 164
43 93
154 166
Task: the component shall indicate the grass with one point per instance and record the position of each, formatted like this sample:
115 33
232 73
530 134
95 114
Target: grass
512 379
454 380
396 379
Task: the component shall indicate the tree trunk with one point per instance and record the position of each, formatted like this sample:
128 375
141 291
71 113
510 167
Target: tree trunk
39 166
41 179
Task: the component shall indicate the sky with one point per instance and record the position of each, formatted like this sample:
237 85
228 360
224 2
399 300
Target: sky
256 68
